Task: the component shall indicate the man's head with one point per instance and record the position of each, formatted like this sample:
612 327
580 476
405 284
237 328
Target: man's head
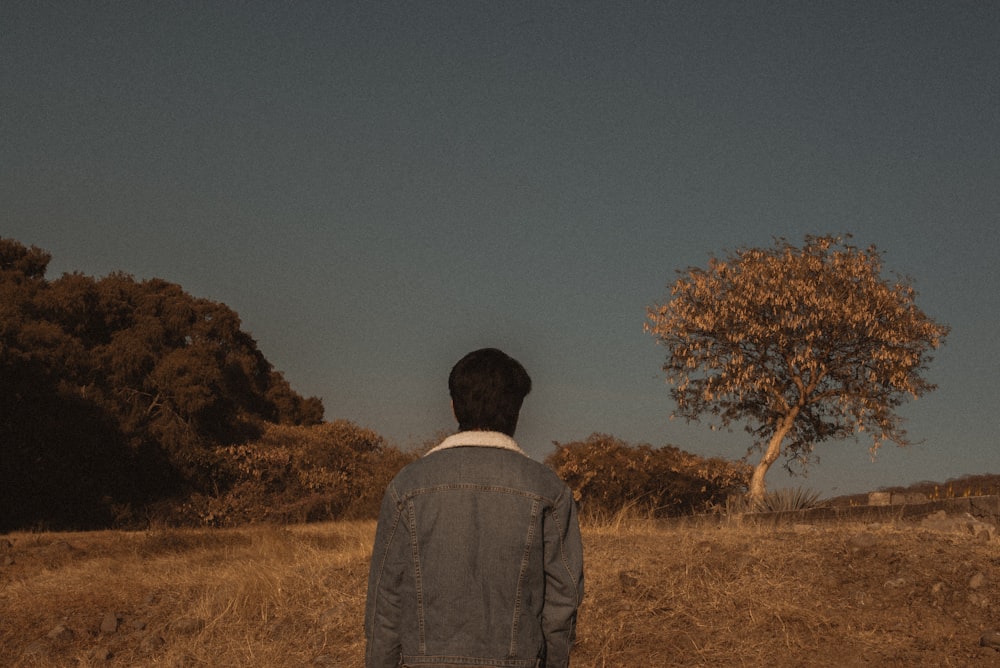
487 388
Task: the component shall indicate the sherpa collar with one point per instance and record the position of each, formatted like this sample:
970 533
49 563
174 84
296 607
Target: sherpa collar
482 439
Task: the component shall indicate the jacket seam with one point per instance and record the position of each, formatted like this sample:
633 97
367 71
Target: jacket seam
381 567
460 661
562 547
418 581
475 487
529 539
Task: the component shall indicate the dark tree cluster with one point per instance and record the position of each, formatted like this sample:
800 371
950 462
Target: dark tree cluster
116 392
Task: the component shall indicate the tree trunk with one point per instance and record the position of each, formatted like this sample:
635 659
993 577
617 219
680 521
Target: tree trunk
757 488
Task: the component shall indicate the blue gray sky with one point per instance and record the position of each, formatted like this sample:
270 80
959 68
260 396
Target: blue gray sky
378 188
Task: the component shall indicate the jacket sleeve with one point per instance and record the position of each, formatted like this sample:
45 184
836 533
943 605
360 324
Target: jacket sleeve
563 580
382 606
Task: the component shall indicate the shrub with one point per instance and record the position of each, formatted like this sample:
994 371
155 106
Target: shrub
607 476
333 470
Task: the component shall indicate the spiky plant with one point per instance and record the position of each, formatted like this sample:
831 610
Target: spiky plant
797 498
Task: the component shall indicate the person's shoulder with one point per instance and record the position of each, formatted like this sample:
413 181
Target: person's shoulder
512 466
543 474
421 471
535 465
410 470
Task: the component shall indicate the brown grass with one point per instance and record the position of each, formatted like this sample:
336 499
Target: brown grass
827 595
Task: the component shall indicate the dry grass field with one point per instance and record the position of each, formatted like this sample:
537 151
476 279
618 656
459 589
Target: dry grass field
837 594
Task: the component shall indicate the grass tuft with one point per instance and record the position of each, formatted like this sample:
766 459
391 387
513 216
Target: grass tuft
790 498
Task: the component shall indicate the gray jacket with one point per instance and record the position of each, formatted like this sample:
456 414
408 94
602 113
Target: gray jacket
477 561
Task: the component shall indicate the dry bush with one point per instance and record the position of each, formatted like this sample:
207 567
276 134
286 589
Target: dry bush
337 470
658 595
609 476
334 470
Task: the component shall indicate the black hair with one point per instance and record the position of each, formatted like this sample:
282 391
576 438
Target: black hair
487 388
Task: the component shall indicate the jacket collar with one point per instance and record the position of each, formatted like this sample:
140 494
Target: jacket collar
482 439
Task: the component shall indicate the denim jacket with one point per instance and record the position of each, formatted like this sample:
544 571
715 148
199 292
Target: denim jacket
477 561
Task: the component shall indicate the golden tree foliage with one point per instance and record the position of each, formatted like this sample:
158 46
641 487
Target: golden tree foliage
804 344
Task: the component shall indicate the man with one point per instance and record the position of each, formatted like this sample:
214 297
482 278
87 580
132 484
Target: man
478 559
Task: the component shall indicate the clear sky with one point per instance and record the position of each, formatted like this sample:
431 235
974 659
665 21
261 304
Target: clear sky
378 188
